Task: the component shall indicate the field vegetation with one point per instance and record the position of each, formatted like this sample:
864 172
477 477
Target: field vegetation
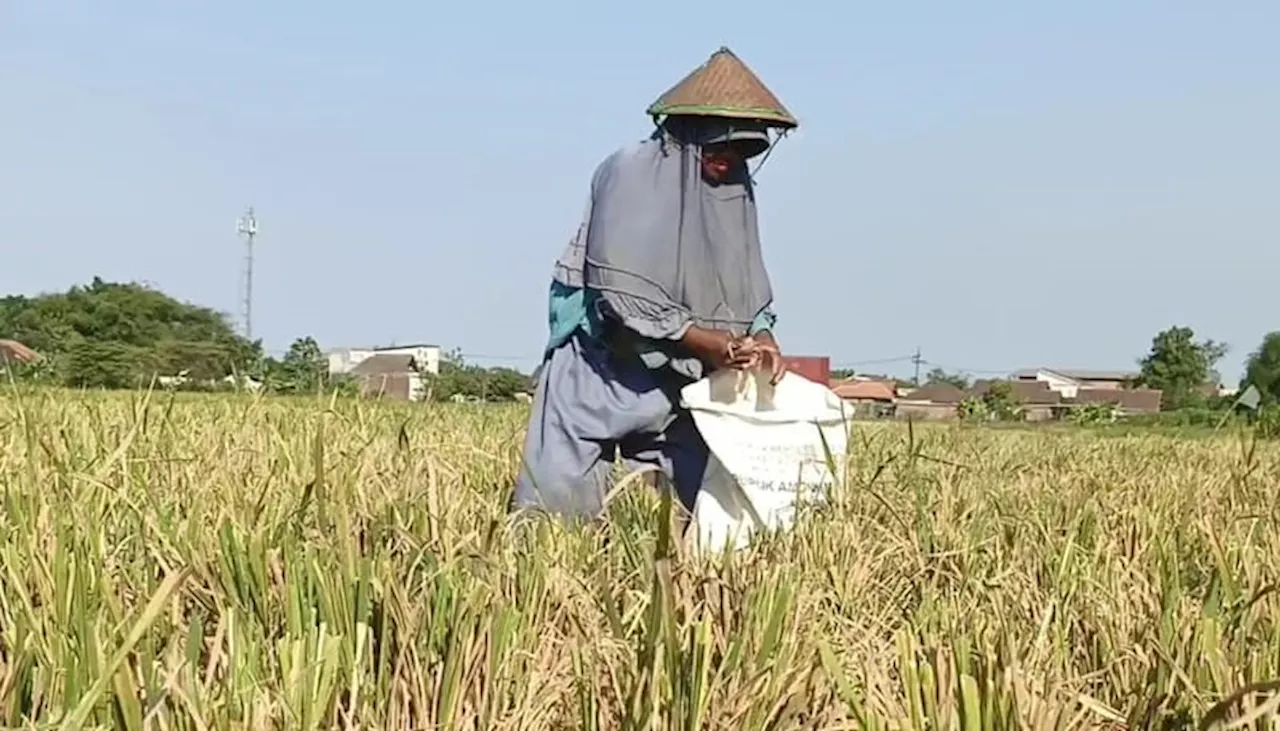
190 561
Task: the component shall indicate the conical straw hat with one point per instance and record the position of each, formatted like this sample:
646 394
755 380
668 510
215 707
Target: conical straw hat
724 87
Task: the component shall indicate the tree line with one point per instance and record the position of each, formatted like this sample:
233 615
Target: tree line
125 335
1183 367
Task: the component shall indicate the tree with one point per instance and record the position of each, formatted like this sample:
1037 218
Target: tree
1180 366
505 383
995 403
459 378
108 364
937 375
303 368
114 335
1262 369
454 378
1001 402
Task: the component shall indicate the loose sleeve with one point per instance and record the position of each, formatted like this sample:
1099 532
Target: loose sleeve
646 318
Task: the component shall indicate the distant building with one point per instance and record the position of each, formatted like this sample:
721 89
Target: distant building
933 402
1079 387
390 375
1037 398
1066 380
345 360
868 398
861 391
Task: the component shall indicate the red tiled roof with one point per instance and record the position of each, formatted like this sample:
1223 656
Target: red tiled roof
865 391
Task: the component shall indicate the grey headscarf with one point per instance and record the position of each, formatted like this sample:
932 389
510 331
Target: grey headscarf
666 249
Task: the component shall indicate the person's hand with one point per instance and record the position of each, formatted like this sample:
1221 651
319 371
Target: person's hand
767 356
719 349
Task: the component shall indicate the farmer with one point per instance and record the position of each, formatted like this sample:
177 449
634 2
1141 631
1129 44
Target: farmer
663 283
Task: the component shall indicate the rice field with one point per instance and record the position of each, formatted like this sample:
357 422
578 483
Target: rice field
202 562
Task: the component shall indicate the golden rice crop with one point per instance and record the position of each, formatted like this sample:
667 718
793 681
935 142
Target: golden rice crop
201 562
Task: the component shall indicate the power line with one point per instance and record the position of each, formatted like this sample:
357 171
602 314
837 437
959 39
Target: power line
972 371
873 361
918 362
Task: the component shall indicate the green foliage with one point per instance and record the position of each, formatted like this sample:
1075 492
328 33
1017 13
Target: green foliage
1262 369
1001 403
1090 414
938 375
997 403
112 335
1196 416
107 364
302 370
39 371
1180 366
973 409
1267 422
459 379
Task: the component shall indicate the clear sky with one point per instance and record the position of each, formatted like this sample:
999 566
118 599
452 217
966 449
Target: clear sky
1002 184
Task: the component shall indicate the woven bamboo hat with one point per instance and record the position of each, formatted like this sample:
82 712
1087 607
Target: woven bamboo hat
724 87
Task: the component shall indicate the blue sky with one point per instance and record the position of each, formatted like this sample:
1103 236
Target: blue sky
1001 185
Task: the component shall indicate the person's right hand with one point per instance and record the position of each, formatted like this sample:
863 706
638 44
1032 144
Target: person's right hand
717 348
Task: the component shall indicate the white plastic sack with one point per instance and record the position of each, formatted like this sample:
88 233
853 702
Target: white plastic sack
767 451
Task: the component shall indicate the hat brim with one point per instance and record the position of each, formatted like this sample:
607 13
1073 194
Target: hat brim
766 117
750 142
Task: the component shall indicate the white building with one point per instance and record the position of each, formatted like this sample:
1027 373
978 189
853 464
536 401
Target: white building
1068 381
344 360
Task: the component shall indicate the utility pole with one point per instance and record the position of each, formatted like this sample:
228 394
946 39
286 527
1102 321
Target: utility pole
917 360
247 228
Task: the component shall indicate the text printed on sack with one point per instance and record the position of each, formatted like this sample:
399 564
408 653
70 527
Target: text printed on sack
780 467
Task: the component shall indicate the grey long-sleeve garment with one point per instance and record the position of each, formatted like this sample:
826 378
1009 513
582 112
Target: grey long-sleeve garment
659 249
